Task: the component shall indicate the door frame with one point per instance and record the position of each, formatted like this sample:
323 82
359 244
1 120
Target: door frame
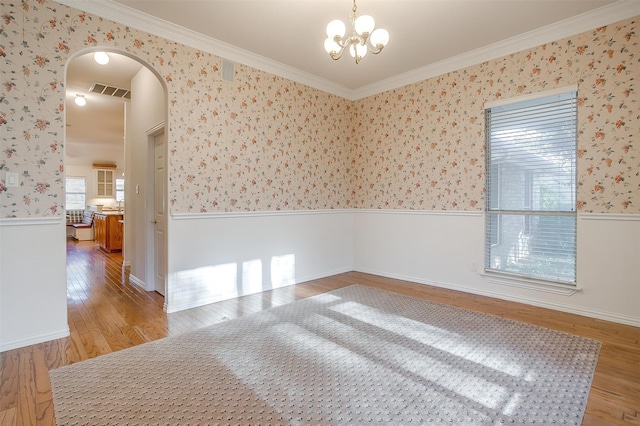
151 254
142 213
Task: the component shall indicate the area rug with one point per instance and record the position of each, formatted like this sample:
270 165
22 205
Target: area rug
354 355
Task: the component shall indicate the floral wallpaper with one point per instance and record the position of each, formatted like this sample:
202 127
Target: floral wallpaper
264 143
422 146
259 143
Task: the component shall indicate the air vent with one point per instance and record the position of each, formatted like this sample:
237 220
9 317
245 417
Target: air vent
105 89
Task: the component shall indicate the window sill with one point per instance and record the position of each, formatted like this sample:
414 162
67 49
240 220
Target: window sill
530 284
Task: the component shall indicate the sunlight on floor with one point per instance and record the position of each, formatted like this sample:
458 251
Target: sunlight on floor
432 336
423 368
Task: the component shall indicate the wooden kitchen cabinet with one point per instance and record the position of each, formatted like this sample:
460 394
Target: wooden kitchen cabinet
108 231
99 229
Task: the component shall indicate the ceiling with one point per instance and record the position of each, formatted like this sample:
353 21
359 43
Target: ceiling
422 32
94 132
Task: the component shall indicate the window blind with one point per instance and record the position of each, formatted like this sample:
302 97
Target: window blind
531 188
75 193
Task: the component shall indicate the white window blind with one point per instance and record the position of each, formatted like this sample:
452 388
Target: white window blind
76 190
530 228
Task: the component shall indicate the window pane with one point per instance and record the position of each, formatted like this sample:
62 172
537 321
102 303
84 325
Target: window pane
534 145
75 193
119 189
76 185
75 201
541 246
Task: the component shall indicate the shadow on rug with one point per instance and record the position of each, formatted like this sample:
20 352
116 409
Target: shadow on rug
353 355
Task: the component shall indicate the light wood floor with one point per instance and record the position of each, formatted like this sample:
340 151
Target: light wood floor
107 313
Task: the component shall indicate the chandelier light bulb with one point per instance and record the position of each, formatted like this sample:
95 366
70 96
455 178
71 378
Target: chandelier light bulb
358 51
336 28
364 37
80 100
364 24
331 46
101 57
379 37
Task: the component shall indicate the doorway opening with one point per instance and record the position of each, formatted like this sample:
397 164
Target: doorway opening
106 146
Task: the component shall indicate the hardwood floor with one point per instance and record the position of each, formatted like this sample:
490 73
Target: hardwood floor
107 313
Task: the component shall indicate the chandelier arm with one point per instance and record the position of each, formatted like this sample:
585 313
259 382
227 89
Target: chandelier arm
375 49
342 42
336 55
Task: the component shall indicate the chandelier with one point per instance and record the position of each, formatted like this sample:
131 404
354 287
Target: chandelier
363 38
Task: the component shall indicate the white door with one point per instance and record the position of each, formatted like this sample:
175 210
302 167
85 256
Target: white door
159 209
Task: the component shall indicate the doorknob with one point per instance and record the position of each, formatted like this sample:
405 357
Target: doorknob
154 221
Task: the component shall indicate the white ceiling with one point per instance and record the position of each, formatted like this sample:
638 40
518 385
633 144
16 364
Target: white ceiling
94 132
292 32
427 37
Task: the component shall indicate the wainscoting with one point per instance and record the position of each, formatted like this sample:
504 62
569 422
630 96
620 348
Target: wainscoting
446 249
108 314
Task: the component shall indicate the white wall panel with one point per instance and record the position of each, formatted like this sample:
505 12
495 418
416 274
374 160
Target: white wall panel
219 256
214 257
33 289
445 249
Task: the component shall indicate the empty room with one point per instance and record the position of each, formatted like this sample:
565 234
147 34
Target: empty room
320 212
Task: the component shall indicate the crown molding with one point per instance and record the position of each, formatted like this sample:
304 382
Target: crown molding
117 12
141 21
605 15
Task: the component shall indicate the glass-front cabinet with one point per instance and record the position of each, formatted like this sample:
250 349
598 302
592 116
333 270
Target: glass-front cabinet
104 181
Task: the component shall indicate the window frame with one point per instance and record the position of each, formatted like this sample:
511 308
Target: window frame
492 234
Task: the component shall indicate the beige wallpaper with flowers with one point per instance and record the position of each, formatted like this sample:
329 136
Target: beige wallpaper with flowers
264 143
422 146
259 143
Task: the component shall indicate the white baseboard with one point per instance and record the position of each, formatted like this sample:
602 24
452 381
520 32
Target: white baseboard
33 339
591 313
174 307
137 281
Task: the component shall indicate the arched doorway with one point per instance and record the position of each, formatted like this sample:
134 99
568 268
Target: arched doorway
124 99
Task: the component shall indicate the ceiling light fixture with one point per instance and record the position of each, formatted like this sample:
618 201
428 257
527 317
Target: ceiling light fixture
101 57
363 38
80 100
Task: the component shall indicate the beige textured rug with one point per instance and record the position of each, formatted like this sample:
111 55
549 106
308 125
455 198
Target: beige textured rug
355 355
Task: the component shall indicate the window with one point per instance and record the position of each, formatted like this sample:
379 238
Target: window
76 193
530 223
120 189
